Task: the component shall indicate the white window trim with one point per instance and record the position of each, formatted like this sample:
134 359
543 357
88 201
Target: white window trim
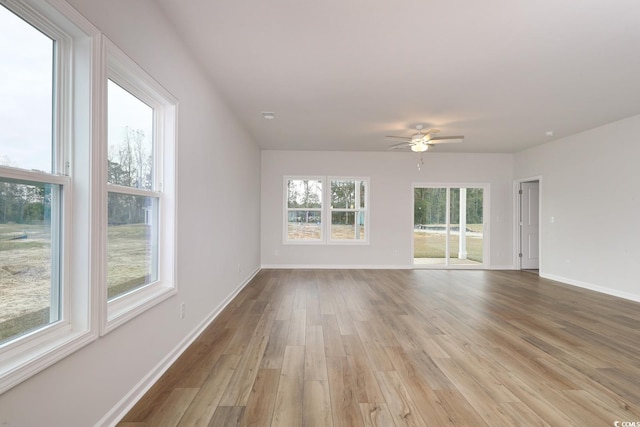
325 211
366 210
29 354
81 80
322 210
131 77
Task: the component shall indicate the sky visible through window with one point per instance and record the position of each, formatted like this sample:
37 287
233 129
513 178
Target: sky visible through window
26 92
127 113
26 82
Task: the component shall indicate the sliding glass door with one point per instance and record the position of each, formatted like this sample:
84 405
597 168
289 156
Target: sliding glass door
449 226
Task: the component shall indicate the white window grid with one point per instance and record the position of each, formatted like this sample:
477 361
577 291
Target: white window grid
326 210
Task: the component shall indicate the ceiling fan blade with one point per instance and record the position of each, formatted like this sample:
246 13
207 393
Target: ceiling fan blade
401 138
446 139
401 145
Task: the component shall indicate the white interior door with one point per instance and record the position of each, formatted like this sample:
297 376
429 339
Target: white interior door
529 225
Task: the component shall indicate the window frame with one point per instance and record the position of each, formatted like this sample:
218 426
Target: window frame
325 211
357 209
123 71
76 65
79 168
486 217
287 209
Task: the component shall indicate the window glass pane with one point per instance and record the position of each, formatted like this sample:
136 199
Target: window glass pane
130 139
303 193
362 194
430 225
463 234
26 91
132 243
304 225
29 279
348 225
466 237
343 194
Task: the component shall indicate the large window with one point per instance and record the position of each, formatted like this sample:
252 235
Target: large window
348 210
87 187
140 169
304 210
311 213
45 204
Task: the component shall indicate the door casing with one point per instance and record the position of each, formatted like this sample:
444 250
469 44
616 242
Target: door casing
517 221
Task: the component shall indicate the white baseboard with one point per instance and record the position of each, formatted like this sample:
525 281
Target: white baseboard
592 287
364 267
130 399
502 267
335 267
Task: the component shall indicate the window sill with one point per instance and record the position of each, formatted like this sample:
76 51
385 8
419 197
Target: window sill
325 243
126 307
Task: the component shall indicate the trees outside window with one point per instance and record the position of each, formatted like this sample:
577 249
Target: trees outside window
449 225
304 210
132 202
348 210
307 208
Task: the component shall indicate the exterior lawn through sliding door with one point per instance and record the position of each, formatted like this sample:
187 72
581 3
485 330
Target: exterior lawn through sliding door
449 226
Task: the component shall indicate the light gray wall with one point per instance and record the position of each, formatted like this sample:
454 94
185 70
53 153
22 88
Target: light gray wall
590 187
218 229
391 203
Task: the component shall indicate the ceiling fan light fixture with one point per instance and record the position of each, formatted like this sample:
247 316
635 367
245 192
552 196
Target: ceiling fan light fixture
420 142
419 147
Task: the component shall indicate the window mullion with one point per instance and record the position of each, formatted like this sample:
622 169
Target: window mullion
131 191
25 176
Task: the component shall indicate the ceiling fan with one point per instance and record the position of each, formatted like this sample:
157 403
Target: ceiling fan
422 141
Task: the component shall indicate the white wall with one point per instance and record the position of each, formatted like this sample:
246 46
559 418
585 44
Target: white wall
218 229
391 203
590 187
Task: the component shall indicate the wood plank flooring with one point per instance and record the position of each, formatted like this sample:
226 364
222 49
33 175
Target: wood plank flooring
406 348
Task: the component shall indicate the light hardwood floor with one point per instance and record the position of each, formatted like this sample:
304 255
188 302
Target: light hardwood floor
406 348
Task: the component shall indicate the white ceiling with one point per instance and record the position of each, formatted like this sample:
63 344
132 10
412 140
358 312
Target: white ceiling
342 74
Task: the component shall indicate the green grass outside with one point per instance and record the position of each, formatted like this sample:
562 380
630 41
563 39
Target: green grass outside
432 245
8 245
24 263
37 236
128 258
25 272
